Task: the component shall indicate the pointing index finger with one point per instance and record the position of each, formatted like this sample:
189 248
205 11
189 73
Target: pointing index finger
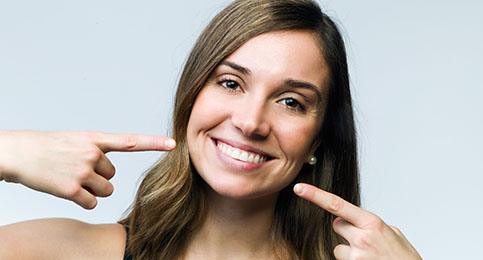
335 205
108 142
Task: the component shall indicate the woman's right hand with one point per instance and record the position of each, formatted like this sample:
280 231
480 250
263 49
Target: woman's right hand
70 165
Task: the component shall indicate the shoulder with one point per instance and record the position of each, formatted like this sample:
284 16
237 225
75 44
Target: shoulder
61 238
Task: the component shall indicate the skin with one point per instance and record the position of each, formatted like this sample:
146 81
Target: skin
260 111
253 111
77 166
368 236
73 166
61 239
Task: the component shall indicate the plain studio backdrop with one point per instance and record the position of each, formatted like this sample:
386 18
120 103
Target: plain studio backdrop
113 66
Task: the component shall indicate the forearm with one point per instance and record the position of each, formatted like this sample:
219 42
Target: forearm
4 147
2 155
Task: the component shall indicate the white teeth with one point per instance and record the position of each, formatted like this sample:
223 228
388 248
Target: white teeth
244 156
240 154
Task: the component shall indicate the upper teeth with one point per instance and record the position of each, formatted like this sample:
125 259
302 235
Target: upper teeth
240 154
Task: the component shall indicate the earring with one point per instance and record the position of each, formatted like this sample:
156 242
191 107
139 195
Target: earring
312 160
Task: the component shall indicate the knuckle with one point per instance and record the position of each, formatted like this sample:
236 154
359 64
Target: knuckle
363 241
337 222
338 248
93 155
92 136
109 188
72 190
337 252
110 173
111 167
335 203
90 204
84 174
378 224
129 142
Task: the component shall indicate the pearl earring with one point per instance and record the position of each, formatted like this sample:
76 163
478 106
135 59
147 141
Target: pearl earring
312 160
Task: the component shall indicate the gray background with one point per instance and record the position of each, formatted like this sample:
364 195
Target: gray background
113 65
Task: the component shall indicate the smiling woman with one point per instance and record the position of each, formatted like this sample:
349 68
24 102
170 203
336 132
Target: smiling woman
238 99
256 114
263 105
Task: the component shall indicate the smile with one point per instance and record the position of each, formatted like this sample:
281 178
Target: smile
239 154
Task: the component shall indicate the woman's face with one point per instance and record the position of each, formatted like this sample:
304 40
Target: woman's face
254 122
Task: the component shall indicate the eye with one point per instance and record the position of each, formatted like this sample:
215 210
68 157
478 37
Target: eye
229 84
292 103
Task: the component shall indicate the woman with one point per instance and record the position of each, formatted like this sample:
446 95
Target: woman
263 104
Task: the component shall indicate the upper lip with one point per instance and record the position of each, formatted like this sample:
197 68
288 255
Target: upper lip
245 147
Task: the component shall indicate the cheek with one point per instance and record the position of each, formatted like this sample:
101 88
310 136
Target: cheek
207 110
205 114
296 138
201 114
196 124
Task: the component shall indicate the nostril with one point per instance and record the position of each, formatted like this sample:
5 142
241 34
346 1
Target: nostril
252 125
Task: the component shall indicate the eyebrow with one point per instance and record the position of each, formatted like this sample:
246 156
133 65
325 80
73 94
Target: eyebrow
237 67
289 82
305 85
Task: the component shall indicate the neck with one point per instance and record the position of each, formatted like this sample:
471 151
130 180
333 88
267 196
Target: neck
234 229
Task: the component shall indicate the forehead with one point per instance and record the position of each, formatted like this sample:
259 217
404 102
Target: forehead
284 54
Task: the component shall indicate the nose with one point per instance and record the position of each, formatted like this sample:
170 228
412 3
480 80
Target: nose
251 119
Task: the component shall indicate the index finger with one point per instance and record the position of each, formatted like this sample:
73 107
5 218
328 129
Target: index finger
108 142
335 205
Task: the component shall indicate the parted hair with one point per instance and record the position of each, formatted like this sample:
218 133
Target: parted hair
170 203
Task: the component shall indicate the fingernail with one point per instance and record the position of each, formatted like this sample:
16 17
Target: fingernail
170 143
298 188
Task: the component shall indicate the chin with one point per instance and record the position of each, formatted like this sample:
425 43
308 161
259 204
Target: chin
238 189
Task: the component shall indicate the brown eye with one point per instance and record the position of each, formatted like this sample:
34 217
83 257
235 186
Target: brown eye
229 84
292 103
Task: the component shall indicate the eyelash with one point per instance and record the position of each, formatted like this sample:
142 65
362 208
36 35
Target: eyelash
225 80
299 107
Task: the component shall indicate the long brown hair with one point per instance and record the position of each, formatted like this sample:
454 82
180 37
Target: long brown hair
169 204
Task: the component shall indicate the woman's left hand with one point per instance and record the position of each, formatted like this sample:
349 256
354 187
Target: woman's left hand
368 236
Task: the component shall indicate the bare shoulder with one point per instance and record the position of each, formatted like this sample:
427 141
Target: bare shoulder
61 238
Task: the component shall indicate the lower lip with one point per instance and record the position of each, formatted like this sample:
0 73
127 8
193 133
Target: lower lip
234 163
